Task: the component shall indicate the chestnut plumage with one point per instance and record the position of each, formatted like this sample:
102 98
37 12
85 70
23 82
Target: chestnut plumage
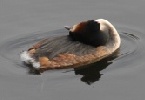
86 42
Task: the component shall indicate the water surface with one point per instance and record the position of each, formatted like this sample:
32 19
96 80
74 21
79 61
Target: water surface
118 77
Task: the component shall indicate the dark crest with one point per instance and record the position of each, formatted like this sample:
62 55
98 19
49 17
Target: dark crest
93 26
89 34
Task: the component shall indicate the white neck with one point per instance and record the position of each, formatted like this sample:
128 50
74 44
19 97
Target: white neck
114 38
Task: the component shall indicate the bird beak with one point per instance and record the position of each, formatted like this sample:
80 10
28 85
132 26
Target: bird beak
67 27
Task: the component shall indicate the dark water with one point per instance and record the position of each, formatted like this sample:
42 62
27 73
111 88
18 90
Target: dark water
119 77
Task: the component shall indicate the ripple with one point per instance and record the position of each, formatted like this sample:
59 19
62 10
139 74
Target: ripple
130 41
11 49
129 44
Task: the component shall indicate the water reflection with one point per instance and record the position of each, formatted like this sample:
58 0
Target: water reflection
91 73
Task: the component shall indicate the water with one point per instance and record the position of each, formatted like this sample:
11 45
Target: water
119 77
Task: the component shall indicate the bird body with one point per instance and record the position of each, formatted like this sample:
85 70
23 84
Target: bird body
87 42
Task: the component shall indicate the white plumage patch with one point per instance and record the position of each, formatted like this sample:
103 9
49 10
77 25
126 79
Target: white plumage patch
25 57
36 64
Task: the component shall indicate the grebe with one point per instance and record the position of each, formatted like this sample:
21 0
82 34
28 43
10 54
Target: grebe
87 42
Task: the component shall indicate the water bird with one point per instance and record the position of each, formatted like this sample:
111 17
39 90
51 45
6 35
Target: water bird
87 42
